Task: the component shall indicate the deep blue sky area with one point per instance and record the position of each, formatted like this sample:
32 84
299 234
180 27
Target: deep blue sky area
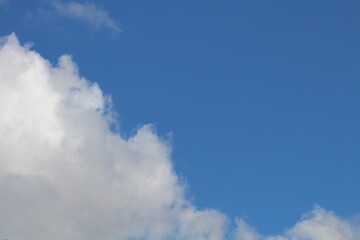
262 97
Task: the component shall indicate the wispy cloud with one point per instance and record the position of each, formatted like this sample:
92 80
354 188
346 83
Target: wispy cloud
87 12
3 2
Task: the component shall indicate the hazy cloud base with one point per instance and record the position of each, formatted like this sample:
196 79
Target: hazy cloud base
65 175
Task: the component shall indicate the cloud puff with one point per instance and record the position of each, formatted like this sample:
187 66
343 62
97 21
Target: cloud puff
87 12
65 175
317 225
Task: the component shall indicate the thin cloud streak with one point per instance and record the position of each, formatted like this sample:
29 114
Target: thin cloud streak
89 13
3 2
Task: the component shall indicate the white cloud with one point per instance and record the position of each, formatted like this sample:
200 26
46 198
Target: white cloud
87 12
65 175
318 225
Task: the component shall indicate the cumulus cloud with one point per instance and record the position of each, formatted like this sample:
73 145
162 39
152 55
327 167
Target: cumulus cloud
87 12
317 225
65 175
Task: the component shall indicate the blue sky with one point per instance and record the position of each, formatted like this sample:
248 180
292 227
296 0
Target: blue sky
261 97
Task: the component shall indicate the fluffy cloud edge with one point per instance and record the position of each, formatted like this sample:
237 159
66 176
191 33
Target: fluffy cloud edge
56 139
319 224
71 130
